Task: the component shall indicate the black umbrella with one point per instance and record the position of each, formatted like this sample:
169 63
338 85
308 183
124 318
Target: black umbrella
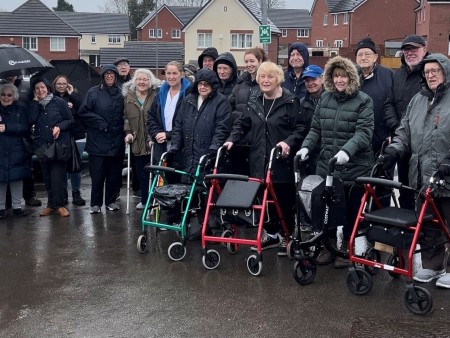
15 60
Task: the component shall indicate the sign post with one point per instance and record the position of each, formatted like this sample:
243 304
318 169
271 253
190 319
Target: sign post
265 34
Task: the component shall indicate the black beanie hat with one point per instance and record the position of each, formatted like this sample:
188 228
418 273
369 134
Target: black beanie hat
366 43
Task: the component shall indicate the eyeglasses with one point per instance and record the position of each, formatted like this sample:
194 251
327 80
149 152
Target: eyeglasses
61 84
431 72
410 50
204 84
366 54
110 74
142 79
7 95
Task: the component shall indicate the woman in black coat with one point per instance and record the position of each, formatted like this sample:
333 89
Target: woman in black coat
51 118
13 154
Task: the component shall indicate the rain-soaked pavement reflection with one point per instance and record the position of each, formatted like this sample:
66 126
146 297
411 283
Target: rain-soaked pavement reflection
82 276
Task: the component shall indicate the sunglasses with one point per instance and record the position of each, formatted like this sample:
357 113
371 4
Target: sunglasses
7 95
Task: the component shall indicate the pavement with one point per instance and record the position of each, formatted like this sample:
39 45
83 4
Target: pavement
82 276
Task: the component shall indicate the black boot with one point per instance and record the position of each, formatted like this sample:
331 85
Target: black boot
77 199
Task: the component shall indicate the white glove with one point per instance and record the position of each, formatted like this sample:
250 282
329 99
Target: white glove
342 157
303 153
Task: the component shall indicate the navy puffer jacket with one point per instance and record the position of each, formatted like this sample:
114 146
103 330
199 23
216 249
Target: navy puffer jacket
296 85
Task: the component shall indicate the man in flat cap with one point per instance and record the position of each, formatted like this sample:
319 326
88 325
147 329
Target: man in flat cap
406 84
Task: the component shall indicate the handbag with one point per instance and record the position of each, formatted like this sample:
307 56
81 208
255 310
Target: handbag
74 162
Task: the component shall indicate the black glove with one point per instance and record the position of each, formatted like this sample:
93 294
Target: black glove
212 152
444 167
388 159
170 155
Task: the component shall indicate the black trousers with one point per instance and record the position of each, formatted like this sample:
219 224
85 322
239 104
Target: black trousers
106 172
407 197
55 179
285 193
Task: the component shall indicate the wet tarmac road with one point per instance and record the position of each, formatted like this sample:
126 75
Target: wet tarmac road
82 276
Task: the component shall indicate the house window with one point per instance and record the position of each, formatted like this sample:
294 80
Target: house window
113 39
152 33
241 40
57 44
284 33
176 34
30 43
204 40
319 43
345 21
335 19
93 38
94 60
338 43
302 33
325 20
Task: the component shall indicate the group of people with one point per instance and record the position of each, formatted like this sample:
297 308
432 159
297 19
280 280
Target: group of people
346 110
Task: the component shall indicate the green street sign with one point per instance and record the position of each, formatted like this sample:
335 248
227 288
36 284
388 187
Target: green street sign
265 35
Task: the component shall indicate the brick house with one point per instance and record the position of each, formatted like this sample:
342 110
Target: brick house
36 27
338 25
433 23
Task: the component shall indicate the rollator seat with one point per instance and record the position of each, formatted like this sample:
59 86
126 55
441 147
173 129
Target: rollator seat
238 194
395 217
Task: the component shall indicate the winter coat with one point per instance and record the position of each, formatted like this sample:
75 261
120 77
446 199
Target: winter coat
55 113
102 115
13 154
424 130
343 121
377 85
226 87
199 131
406 84
291 82
156 120
135 116
284 123
77 127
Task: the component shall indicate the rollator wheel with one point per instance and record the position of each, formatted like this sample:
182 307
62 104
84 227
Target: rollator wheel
254 265
290 249
211 260
374 256
422 304
142 243
305 271
362 285
176 251
231 247
394 260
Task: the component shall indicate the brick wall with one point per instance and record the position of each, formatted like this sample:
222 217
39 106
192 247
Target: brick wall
166 22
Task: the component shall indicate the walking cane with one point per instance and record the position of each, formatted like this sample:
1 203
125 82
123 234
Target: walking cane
128 178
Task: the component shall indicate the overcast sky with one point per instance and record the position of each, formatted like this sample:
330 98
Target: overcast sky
94 5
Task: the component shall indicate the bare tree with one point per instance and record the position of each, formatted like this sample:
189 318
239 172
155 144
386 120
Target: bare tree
276 4
186 3
115 6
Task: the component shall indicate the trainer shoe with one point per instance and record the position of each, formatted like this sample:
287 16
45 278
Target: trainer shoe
325 257
282 247
113 207
96 209
137 194
140 206
267 242
427 275
444 281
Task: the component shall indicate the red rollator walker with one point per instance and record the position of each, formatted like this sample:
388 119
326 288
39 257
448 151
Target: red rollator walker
239 195
392 230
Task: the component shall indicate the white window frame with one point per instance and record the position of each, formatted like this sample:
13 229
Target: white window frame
241 40
93 38
176 34
152 35
325 20
31 40
338 43
284 33
302 33
319 43
335 19
57 44
346 17
204 40
114 39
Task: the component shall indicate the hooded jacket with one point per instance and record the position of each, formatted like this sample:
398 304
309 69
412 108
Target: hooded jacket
291 82
156 120
199 131
102 114
135 116
226 87
343 121
210 51
406 84
424 130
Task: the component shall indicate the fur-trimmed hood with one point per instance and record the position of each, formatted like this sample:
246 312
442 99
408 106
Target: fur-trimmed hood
349 67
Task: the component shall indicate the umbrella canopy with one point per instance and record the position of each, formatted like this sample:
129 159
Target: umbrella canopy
16 60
